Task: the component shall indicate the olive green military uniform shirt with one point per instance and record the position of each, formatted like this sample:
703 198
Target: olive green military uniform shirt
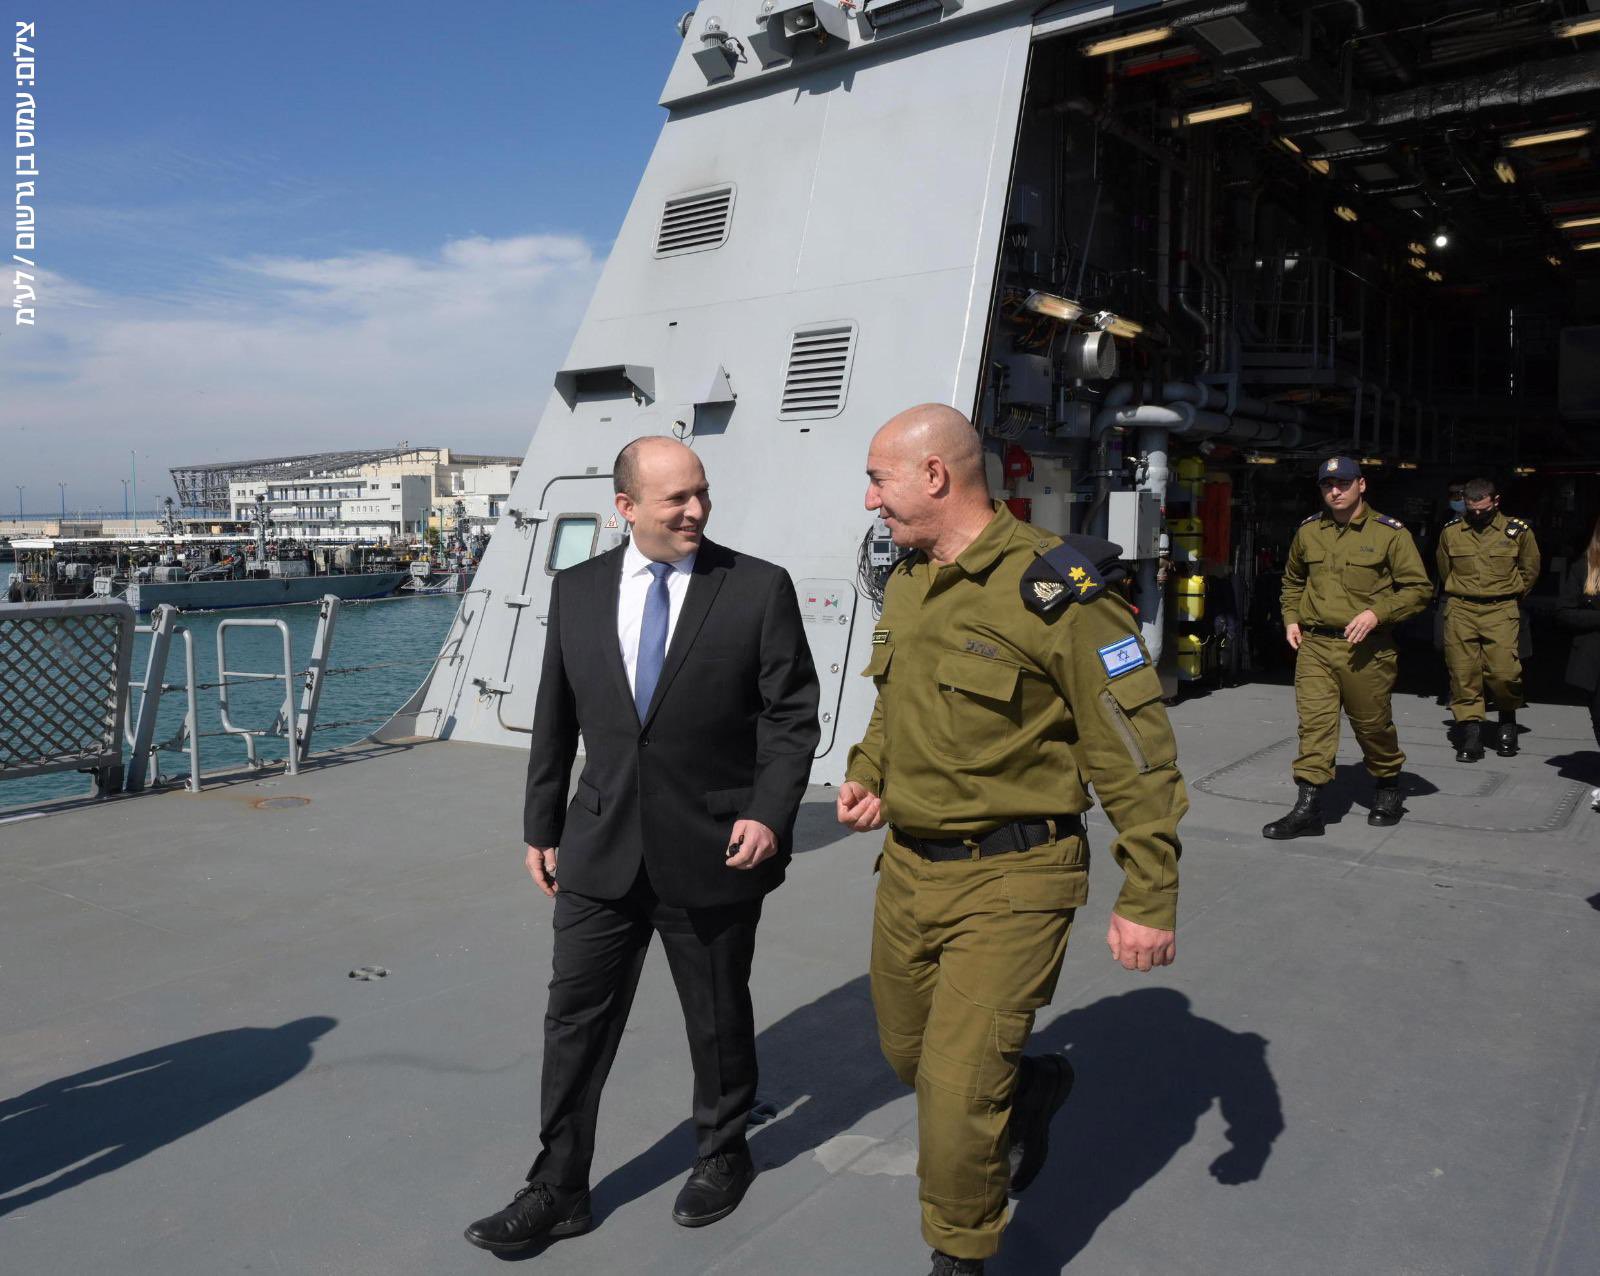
1498 560
1335 572
989 712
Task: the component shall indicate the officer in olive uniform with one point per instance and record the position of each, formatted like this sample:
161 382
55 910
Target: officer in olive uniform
1487 564
1352 573
1008 678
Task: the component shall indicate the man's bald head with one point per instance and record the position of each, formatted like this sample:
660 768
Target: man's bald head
936 430
651 452
925 480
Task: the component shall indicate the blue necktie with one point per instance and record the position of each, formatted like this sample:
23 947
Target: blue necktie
652 639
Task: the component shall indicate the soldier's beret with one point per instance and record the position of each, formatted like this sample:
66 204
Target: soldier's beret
1077 570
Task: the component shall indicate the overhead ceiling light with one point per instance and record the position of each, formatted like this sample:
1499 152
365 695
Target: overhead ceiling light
1128 40
1372 460
1555 135
1504 171
1260 458
1436 276
1522 471
1116 325
1221 111
1288 144
1553 259
1344 211
1321 165
1441 237
1416 263
1577 27
1572 223
1052 306
1417 248
1583 248
1408 465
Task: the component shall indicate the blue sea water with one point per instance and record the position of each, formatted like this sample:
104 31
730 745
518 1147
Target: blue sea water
400 636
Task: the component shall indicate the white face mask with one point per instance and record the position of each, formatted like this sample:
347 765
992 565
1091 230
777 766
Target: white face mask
1458 507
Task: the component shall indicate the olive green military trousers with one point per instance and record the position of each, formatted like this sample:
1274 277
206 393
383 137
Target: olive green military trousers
1330 674
964 953
1480 649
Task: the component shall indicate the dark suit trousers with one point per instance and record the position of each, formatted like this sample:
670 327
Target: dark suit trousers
600 946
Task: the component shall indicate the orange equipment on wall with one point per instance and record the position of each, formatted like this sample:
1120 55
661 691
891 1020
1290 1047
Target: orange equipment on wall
1216 515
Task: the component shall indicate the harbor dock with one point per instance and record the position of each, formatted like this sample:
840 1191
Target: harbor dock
292 1025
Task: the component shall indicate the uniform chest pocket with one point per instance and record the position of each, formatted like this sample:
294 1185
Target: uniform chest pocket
977 703
1363 577
1316 563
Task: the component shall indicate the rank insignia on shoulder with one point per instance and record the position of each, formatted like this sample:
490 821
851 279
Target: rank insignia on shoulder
1391 522
1121 657
1514 528
1077 570
1452 522
879 637
1309 518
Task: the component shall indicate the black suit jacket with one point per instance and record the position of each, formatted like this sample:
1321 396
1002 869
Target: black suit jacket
729 735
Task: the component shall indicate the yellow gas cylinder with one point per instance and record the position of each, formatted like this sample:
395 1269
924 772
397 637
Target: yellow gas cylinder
1187 536
1190 648
1191 473
1191 597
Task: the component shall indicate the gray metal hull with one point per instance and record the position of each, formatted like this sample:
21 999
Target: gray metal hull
213 595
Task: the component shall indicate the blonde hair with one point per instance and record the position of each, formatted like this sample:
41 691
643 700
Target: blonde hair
1591 583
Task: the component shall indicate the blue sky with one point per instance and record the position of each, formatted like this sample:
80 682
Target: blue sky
283 226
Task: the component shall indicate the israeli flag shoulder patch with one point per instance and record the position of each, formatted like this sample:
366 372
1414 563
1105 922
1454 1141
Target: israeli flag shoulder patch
1121 657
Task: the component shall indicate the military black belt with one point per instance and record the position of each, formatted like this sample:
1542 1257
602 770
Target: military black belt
1486 598
1019 836
1322 631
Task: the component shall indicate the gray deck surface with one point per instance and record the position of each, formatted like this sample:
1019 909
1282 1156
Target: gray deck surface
190 1081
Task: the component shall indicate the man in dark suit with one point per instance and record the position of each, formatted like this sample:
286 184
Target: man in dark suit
685 666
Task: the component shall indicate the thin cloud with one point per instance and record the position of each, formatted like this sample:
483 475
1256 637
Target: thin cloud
288 355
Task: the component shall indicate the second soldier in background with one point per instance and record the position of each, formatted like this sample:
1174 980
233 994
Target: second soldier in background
1487 564
1352 575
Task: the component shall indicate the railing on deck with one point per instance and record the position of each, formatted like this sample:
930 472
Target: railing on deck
63 678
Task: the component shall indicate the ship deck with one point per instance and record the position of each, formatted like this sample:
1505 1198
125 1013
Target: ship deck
1378 1052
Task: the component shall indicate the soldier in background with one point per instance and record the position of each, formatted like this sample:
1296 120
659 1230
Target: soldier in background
1352 575
1009 678
1487 564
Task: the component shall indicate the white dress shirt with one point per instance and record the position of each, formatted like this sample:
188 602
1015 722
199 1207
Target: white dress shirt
636 582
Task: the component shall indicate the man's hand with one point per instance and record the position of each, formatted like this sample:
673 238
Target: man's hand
858 809
541 861
1140 947
755 842
1292 633
1361 626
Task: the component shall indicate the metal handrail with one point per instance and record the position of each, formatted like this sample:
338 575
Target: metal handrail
287 715
143 752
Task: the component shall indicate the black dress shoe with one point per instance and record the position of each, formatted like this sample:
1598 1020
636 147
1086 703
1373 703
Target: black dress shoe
535 1212
1043 1084
949 1265
715 1187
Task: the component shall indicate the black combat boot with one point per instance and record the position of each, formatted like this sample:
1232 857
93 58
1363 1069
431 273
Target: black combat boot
1469 741
1387 807
1506 744
1305 820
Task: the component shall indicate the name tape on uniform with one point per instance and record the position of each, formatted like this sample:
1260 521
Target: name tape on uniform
1121 657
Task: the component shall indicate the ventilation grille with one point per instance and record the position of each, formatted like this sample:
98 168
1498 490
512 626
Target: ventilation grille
818 373
695 222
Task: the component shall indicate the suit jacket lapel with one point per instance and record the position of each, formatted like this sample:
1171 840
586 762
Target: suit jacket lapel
606 624
704 582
